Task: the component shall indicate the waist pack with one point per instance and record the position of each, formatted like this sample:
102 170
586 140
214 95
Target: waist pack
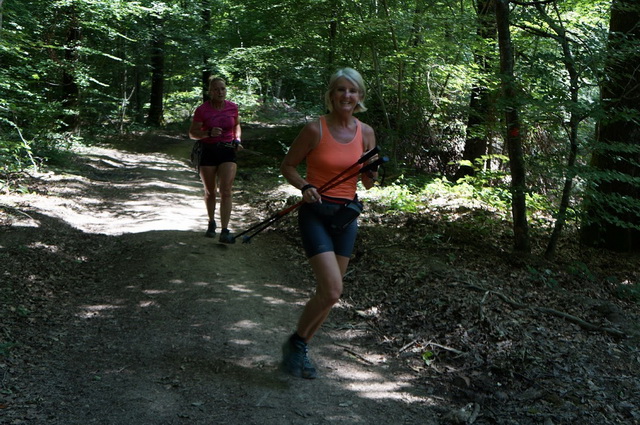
346 214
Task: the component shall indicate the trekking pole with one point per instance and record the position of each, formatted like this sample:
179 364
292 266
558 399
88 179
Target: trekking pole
367 155
328 185
263 225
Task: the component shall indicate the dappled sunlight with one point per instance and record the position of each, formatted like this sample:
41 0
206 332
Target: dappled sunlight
285 289
184 314
240 288
266 299
274 301
211 300
157 291
245 331
39 245
243 209
243 325
241 342
130 193
375 387
96 311
372 381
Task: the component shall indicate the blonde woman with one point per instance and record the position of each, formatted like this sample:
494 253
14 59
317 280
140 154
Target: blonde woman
328 146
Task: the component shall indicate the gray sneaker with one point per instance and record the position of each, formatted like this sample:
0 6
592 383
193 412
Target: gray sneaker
211 230
295 360
225 236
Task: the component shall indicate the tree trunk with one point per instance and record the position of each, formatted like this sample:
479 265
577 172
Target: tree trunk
333 33
477 141
612 218
156 111
70 89
513 137
206 70
138 99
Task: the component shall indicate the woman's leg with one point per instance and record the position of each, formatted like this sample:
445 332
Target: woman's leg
329 270
208 177
226 176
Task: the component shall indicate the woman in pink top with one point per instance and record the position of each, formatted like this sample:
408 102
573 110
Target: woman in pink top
216 126
328 146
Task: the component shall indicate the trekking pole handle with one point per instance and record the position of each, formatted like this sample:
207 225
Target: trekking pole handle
373 166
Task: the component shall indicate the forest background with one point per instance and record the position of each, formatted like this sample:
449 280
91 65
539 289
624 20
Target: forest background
532 106
525 113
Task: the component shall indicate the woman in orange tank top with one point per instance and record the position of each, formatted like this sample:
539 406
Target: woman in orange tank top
328 146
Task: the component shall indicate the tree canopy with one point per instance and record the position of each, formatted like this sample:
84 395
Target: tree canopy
441 99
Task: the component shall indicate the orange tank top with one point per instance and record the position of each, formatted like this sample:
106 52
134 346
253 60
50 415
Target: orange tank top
330 157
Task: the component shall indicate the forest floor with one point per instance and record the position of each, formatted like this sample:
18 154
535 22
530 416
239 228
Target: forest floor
116 310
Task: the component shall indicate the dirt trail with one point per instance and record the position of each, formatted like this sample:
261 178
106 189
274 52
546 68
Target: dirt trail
142 320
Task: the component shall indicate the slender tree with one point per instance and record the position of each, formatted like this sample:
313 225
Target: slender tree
559 34
156 105
206 68
70 89
513 134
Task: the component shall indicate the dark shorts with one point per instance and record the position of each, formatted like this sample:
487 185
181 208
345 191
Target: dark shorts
314 221
214 154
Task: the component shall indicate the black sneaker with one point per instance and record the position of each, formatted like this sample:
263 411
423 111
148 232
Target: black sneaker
225 236
295 360
211 230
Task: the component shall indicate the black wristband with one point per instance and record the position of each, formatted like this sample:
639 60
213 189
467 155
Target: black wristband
307 186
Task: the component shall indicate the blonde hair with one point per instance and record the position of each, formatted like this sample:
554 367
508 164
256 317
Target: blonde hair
354 77
213 79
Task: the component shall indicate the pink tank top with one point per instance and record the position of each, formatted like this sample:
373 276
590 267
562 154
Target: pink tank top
330 157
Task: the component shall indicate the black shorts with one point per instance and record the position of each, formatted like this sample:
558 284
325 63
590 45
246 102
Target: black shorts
214 154
315 221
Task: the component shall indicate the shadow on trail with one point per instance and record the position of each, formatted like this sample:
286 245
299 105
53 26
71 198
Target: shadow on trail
138 319
173 327
202 339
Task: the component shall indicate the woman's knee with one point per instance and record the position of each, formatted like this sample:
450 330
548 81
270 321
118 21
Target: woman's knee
331 295
334 297
225 192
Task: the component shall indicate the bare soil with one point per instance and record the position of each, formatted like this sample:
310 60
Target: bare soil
116 310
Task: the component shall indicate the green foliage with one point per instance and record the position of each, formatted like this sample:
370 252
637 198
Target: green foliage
544 277
486 189
581 270
56 148
428 357
419 60
628 291
397 197
613 208
180 105
488 183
